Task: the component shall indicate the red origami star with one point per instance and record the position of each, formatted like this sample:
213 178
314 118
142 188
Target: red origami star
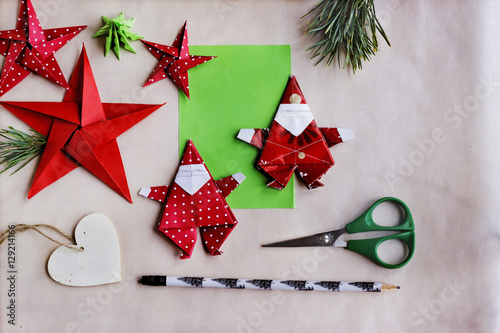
175 61
30 49
81 130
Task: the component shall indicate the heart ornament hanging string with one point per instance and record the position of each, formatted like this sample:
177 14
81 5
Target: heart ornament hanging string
92 258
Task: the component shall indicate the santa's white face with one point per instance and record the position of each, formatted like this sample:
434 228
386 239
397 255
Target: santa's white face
294 117
192 177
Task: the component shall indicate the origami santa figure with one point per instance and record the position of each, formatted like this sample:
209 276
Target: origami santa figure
195 200
294 142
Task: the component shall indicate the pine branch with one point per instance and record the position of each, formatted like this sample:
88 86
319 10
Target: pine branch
19 147
344 26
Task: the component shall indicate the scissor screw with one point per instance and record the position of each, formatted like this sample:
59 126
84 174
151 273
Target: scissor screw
326 238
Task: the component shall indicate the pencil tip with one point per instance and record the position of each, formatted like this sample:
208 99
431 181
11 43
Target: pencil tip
386 286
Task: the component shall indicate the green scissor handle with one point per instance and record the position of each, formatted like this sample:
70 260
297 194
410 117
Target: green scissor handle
368 247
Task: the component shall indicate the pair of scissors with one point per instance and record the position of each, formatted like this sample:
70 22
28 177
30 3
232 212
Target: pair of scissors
366 247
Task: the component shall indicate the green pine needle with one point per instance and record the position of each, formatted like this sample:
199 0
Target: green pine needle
344 26
19 147
117 34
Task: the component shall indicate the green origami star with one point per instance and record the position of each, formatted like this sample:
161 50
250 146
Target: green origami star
117 33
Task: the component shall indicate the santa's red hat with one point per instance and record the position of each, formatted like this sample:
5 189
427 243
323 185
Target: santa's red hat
191 155
293 94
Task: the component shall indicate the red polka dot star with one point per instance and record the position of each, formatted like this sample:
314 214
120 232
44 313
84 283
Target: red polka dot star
30 49
175 61
195 200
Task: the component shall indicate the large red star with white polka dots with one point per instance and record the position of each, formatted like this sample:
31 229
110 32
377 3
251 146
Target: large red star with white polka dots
175 61
81 130
30 49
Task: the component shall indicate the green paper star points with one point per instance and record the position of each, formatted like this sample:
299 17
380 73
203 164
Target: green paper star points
117 32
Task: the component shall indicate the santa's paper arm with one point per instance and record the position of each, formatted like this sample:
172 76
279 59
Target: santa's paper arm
226 186
258 136
157 193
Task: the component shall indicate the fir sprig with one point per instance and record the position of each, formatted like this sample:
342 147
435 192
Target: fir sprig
344 26
19 147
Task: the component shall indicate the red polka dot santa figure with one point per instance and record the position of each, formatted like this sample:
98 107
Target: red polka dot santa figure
294 142
195 200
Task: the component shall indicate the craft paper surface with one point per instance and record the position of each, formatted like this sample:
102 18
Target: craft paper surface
242 87
425 113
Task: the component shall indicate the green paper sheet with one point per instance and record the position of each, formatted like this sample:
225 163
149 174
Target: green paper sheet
241 88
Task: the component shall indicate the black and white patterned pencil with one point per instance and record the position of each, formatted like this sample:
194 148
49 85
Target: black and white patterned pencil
205 282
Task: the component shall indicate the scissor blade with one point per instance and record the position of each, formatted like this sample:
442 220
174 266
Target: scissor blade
298 242
322 239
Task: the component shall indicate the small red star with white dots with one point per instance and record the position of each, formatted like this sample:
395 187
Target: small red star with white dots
175 61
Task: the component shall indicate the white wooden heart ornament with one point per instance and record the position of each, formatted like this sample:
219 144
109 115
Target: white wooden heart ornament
98 263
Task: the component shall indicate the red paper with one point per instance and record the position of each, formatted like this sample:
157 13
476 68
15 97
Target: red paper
195 200
294 142
174 61
81 130
30 49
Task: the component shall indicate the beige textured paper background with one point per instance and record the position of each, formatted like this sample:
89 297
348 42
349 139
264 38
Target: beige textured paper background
424 111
